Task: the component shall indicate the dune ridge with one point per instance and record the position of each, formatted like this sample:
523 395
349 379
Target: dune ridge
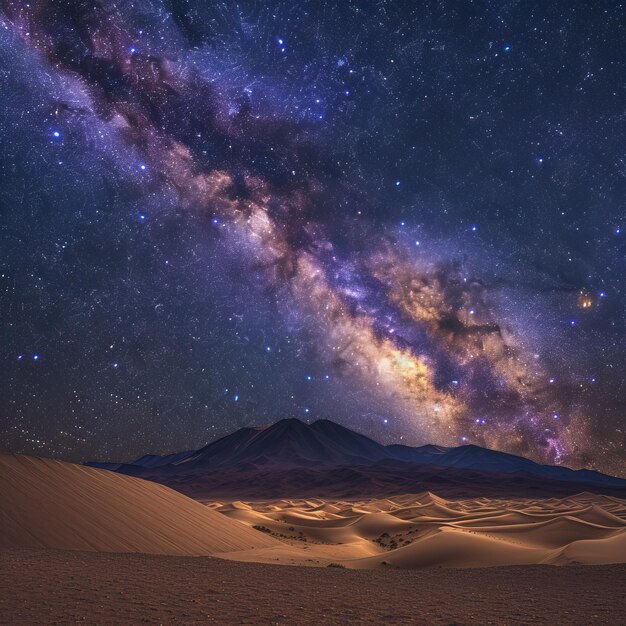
52 504
424 530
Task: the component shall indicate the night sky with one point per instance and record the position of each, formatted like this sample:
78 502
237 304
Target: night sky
407 217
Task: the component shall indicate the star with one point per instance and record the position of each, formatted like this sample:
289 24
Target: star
184 215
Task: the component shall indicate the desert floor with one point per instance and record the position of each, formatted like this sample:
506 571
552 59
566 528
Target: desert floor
83 545
61 587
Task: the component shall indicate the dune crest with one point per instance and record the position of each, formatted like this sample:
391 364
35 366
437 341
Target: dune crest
52 504
425 530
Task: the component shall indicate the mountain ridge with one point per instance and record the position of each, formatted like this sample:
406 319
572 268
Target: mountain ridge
325 448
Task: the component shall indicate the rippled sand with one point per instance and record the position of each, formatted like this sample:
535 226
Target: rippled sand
417 531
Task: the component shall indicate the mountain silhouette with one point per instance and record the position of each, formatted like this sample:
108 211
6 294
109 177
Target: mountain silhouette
291 457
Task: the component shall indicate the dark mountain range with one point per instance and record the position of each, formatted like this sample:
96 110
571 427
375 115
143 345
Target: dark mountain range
291 458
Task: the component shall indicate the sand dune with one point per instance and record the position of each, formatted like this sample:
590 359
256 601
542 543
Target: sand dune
417 531
449 548
610 550
51 504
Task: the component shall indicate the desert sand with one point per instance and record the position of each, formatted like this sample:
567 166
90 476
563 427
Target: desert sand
416 531
52 504
83 544
52 587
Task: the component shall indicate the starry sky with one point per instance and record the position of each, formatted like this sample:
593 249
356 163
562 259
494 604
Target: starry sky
407 217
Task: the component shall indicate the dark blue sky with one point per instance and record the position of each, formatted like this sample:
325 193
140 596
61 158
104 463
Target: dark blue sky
407 217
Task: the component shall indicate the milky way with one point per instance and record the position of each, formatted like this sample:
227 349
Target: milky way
222 214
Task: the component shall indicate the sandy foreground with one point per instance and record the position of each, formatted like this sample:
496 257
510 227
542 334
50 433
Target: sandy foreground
54 587
82 545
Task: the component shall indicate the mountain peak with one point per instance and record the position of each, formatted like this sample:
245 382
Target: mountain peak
288 422
290 443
